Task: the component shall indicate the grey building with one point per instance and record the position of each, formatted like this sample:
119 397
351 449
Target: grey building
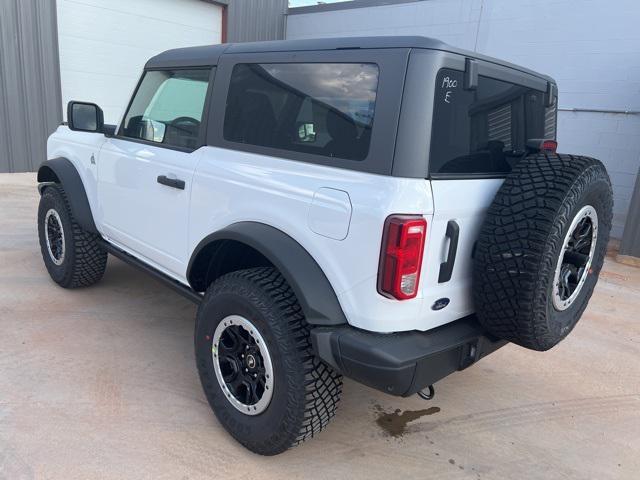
30 92
52 51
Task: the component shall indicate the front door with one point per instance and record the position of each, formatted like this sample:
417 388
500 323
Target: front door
145 172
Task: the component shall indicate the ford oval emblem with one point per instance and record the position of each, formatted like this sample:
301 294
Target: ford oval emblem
440 304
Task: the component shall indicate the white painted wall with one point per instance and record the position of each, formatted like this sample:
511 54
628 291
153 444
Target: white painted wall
104 45
591 47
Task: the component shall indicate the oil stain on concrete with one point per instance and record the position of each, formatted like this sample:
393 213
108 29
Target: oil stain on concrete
395 423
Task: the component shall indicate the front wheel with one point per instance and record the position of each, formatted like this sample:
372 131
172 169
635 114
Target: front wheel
256 364
73 257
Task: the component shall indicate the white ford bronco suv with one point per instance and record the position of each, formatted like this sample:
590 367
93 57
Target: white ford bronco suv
390 209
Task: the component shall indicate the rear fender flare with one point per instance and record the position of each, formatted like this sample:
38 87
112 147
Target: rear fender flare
313 290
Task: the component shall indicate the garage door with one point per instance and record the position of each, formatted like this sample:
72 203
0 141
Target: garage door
104 45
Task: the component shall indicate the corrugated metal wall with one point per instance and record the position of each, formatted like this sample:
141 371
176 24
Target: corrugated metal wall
30 101
255 20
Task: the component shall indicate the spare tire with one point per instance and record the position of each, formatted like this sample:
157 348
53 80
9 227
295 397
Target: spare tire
541 248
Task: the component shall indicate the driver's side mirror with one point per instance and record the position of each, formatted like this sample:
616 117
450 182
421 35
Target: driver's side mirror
85 117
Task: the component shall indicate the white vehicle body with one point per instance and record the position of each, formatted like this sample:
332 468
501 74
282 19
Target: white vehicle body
336 214
389 209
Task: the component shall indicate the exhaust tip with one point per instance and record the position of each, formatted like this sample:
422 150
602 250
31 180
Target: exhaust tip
427 393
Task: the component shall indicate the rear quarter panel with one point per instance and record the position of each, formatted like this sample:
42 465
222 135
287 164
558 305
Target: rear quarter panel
232 186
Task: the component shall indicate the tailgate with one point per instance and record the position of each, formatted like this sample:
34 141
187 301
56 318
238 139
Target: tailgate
459 209
478 135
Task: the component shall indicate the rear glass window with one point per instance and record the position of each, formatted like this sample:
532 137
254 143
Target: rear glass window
484 131
318 108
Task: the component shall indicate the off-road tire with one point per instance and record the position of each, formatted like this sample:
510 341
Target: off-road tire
305 392
520 243
85 260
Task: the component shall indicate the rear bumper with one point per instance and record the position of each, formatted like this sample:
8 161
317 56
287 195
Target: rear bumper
406 362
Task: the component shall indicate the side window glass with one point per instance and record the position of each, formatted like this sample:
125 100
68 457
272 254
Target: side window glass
167 108
318 108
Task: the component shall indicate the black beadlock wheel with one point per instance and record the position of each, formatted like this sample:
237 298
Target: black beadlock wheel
541 248
72 256
256 363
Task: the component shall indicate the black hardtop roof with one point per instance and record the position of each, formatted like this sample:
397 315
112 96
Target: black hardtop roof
209 55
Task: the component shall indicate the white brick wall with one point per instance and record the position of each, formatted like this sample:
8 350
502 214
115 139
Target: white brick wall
614 139
591 47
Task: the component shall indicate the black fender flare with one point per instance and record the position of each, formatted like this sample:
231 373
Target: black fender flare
313 290
61 170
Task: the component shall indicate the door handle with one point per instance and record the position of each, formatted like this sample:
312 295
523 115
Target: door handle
171 182
446 268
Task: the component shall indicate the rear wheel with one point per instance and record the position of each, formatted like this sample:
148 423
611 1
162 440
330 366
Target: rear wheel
256 363
72 256
541 248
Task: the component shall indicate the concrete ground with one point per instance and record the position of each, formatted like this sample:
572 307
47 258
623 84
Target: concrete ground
100 383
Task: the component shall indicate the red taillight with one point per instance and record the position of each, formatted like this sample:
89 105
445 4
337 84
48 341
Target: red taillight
401 256
549 146
535 145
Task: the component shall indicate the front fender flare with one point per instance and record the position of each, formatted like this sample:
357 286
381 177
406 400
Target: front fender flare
61 170
315 294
